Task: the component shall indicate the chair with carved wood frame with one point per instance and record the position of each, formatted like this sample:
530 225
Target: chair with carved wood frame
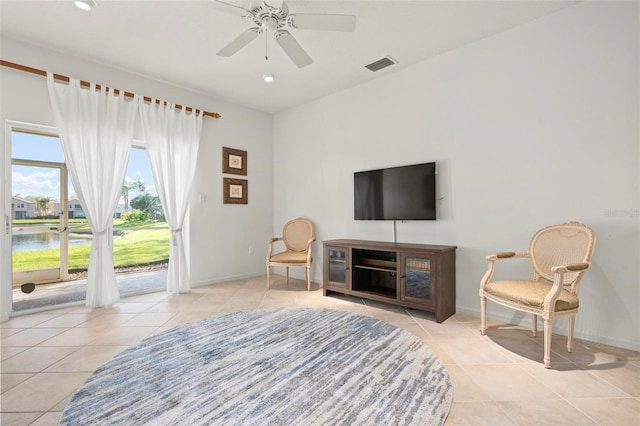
297 235
559 255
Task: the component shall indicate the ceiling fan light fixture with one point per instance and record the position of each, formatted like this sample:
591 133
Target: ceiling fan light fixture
268 78
85 4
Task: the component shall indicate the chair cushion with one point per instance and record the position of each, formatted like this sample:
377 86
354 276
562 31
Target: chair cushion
290 257
530 293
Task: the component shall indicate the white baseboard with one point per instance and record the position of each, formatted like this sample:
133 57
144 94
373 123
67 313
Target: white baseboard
225 279
559 327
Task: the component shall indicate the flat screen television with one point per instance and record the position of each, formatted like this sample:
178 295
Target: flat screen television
396 193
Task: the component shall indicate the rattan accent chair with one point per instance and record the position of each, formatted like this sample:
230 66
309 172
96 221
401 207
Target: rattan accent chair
559 255
297 236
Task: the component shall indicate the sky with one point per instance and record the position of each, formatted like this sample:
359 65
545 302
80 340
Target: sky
45 181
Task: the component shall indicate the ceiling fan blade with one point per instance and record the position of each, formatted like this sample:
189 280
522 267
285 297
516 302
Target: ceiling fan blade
325 22
241 10
292 48
239 42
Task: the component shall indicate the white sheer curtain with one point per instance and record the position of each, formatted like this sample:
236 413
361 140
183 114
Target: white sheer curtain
96 130
172 138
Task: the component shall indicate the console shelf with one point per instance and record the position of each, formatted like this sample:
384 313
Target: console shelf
386 264
374 268
416 276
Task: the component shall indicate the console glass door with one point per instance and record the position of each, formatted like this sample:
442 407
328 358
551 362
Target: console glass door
417 279
337 265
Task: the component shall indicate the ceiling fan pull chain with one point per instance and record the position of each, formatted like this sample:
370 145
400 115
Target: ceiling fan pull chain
266 44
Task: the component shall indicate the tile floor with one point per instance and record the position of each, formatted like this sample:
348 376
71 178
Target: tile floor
498 379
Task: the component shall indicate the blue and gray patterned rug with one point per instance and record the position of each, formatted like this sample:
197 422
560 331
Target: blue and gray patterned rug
284 366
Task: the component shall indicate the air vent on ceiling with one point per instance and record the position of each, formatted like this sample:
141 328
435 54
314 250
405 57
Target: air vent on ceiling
381 63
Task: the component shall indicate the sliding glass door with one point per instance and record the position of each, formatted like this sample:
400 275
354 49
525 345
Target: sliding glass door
39 226
50 235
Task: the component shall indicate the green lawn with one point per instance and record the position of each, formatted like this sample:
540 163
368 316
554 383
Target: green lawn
148 242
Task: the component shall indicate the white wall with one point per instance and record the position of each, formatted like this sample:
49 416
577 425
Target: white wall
220 234
534 126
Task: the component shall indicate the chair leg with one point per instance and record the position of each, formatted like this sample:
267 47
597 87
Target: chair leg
548 327
572 323
308 280
287 275
268 277
534 328
483 314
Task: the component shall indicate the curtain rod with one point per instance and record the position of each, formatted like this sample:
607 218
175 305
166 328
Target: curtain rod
87 84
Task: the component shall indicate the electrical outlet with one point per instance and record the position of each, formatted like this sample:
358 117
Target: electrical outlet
250 249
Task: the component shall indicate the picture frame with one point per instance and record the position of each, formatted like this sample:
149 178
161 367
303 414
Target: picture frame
234 161
235 191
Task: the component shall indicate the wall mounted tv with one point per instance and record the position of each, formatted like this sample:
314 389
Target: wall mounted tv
396 193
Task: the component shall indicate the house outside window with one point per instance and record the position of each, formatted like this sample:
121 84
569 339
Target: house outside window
75 209
22 208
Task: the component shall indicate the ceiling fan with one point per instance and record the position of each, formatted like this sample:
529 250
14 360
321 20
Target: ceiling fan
275 18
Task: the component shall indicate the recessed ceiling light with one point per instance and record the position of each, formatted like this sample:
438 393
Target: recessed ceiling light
85 4
268 77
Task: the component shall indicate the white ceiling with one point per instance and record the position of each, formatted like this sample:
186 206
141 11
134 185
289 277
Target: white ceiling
177 41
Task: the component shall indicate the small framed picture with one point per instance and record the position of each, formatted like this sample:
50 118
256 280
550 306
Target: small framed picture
234 191
234 161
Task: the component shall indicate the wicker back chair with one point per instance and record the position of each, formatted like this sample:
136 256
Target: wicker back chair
297 236
559 255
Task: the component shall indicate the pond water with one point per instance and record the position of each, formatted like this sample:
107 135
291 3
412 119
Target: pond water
28 241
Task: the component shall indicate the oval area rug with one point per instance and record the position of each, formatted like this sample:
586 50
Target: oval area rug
283 366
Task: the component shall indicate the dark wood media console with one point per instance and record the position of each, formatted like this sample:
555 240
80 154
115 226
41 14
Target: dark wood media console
417 276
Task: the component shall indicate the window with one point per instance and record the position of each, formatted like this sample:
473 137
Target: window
141 235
